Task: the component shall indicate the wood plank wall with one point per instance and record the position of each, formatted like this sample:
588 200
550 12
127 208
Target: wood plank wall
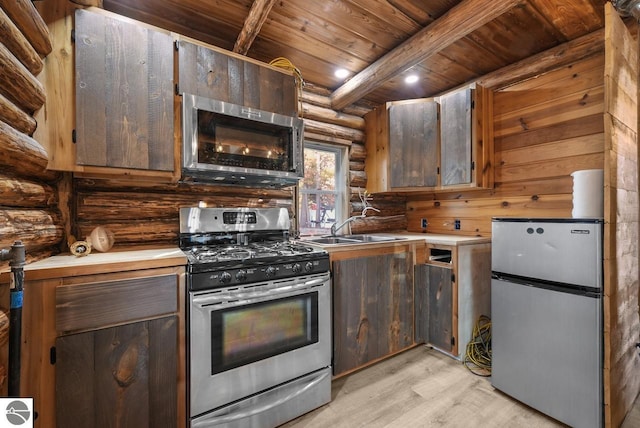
545 128
28 202
621 318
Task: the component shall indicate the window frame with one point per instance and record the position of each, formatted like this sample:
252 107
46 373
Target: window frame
341 184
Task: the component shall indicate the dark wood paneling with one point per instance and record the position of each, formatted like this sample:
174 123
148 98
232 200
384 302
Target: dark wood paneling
124 94
121 376
86 306
75 389
413 141
227 77
433 305
163 393
439 313
373 308
455 138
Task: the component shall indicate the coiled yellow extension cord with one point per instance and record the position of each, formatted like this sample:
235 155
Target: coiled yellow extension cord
282 62
478 353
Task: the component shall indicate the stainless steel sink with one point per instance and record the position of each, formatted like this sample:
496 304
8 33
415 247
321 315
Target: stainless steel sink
353 239
372 238
333 240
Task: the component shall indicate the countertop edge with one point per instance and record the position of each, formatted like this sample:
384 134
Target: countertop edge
96 263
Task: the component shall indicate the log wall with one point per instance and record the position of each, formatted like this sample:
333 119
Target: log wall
545 128
28 200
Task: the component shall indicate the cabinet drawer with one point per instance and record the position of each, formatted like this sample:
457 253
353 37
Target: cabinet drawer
101 304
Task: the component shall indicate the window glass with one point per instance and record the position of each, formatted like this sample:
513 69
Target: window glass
321 190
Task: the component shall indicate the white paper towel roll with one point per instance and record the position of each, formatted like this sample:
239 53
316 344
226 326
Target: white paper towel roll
588 193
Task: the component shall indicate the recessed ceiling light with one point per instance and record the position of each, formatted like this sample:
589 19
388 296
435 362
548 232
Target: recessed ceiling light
412 78
341 73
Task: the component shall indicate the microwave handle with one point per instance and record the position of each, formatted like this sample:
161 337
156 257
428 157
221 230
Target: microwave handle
298 145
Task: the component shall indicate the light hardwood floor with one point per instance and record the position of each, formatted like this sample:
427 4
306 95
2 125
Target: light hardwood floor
423 388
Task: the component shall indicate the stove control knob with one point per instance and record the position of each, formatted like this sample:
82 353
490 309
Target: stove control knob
296 267
241 275
270 272
308 267
225 277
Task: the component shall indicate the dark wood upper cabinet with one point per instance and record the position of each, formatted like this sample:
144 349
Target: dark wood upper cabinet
431 143
413 144
124 94
213 73
455 137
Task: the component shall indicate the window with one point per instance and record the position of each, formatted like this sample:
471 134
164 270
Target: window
323 189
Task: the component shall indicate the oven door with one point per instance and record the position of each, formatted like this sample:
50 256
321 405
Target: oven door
247 339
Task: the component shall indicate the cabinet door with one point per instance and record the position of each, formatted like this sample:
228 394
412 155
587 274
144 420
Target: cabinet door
123 376
413 144
215 74
456 137
373 309
434 306
124 94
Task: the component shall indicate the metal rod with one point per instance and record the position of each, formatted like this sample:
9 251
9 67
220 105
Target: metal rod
17 255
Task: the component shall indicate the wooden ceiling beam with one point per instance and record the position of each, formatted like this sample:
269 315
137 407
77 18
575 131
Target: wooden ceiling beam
257 15
457 23
558 56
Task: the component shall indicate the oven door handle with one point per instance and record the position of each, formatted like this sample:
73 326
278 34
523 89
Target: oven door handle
217 298
259 409
314 282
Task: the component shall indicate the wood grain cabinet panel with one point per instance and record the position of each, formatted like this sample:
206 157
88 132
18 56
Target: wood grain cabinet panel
432 143
224 76
124 94
373 309
121 376
413 144
94 305
451 292
434 306
456 134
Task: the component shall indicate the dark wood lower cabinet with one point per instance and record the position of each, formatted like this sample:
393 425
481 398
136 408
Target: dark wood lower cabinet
123 376
373 308
434 306
103 345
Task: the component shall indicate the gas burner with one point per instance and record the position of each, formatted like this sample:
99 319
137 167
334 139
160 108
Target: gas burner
209 254
292 248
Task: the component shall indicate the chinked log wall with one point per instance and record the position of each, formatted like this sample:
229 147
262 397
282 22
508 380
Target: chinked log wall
28 200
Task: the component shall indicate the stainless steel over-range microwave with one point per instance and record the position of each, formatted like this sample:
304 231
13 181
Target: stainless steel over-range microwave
231 144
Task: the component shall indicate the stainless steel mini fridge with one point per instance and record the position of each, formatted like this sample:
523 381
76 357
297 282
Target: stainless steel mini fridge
546 310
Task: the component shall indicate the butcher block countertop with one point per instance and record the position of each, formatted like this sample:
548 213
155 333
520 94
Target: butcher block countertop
115 260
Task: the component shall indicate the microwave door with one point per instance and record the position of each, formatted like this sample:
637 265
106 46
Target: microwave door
232 144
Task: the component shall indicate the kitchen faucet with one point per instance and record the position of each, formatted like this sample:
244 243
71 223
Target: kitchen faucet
365 200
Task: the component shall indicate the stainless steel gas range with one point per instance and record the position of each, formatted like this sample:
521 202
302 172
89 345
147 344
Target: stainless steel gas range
259 329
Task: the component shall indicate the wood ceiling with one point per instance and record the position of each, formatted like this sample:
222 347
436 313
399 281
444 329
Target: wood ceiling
445 42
